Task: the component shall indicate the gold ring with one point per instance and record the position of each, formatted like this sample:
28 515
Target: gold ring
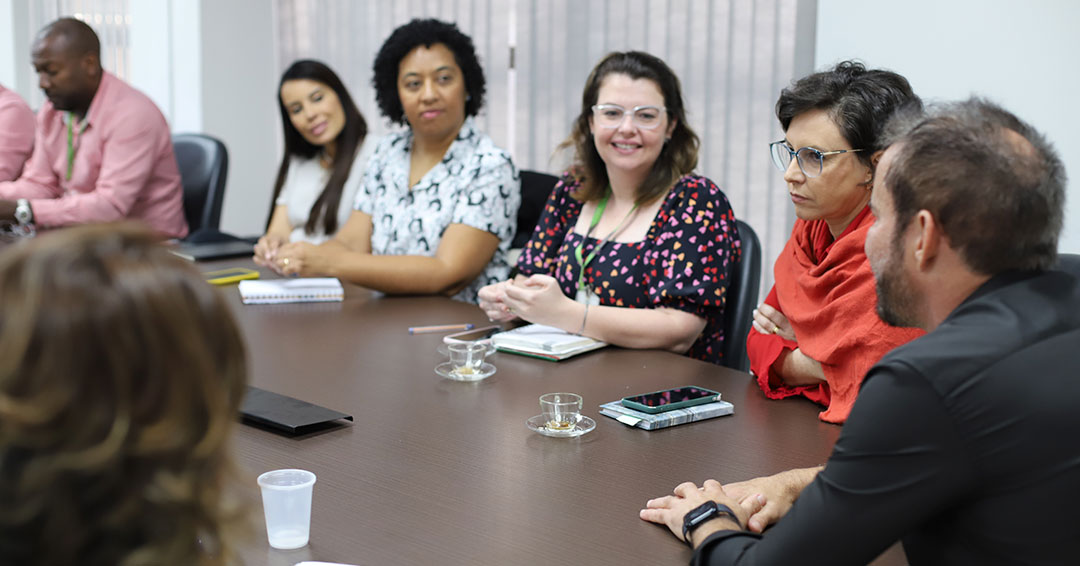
285 261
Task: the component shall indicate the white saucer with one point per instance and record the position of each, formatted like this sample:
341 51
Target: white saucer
539 424
446 369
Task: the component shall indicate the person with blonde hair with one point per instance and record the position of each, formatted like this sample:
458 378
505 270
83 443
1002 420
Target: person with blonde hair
121 374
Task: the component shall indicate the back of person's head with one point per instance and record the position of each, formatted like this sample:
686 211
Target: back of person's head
121 374
996 186
679 154
859 101
425 32
348 142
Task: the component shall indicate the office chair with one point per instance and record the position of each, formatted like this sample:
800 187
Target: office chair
742 298
535 189
1069 263
204 166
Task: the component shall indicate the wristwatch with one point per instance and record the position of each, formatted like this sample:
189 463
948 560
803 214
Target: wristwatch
703 513
23 214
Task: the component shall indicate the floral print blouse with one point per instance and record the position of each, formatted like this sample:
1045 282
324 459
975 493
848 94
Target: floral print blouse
683 263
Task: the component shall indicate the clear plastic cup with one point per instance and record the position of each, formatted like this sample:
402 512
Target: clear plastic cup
286 498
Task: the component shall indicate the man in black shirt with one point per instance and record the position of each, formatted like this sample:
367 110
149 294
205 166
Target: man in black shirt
964 444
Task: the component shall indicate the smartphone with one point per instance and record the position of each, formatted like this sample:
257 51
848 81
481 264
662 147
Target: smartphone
668 399
231 275
482 335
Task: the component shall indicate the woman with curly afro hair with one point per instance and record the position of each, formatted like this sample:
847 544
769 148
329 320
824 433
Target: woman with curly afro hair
438 204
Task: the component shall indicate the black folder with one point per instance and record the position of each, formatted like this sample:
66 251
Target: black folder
215 250
286 413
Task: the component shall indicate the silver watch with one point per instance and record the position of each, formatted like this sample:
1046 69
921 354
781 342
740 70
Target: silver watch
23 214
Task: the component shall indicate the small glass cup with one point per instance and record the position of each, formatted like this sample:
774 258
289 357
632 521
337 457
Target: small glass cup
467 358
562 410
286 498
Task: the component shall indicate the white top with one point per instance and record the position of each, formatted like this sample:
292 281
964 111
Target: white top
304 183
475 184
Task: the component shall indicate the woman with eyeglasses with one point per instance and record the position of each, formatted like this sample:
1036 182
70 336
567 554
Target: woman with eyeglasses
632 248
437 206
817 333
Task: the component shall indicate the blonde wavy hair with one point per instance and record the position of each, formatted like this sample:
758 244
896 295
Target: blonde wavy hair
121 374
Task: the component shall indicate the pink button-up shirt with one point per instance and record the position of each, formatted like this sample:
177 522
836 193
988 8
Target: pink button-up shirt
16 134
124 165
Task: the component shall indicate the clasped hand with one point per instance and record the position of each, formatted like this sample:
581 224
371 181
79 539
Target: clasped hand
289 260
670 510
536 299
758 502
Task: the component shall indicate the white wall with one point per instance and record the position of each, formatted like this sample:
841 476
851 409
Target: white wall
1022 55
15 70
238 104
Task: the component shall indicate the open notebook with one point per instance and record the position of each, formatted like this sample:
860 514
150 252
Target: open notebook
544 342
305 290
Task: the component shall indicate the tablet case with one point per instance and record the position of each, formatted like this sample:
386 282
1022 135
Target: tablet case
215 250
286 413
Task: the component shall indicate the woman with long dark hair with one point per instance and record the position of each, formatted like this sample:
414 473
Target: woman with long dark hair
322 165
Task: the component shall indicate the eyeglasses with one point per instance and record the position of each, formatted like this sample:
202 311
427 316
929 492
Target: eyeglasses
612 115
811 160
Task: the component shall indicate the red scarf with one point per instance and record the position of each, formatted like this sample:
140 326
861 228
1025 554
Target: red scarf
826 290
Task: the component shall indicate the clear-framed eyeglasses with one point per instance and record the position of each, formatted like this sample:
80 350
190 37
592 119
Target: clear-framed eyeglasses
811 160
612 115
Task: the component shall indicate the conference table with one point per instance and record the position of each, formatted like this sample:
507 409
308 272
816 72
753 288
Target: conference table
434 471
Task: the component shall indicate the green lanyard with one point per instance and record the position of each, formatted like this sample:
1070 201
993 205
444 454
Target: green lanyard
599 212
71 144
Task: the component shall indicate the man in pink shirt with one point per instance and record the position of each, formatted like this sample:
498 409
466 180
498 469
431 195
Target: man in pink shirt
16 134
103 151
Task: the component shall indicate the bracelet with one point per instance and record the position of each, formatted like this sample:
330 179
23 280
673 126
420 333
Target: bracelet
584 319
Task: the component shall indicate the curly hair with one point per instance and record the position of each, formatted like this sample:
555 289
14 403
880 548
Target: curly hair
678 156
348 143
425 33
121 374
859 100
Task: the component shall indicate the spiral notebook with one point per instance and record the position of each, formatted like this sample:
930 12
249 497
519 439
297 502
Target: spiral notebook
545 342
305 290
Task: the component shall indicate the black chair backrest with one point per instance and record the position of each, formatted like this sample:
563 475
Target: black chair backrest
535 189
204 166
742 298
1069 263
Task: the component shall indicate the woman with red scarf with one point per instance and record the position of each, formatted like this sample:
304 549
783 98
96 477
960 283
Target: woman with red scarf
817 333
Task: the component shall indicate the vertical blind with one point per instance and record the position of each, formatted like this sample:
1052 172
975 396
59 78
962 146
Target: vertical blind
732 56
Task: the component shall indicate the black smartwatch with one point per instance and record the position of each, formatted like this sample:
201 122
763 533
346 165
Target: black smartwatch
703 513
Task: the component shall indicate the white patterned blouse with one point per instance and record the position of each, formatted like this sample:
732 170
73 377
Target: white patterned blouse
475 184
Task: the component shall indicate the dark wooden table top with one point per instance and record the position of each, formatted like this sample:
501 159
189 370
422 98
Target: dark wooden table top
434 471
